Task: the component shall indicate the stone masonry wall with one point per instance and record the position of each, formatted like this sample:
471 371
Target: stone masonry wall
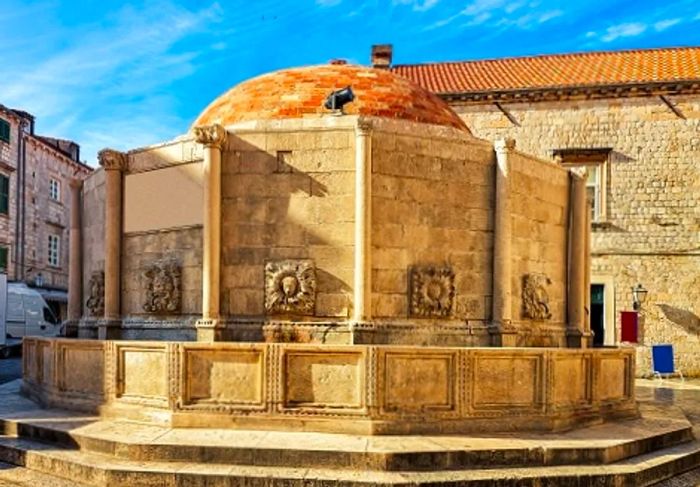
651 233
432 204
141 249
540 208
288 195
46 216
8 168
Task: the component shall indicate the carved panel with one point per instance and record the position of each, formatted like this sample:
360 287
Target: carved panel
290 287
419 382
228 377
432 291
96 301
324 380
163 287
503 381
535 297
142 374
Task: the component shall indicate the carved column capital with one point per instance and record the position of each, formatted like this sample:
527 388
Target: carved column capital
112 160
504 145
364 126
75 183
210 135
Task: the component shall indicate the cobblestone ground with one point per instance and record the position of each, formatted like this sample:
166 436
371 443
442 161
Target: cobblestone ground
685 395
10 369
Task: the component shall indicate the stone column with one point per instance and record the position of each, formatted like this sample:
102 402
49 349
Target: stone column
210 327
362 284
576 298
75 282
587 334
114 163
502 332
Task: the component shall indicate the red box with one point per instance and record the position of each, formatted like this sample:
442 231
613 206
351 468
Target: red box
630 319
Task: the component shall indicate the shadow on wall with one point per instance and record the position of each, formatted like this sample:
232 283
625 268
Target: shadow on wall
684 318
280 204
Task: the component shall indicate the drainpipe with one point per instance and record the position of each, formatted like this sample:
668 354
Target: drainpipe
20 141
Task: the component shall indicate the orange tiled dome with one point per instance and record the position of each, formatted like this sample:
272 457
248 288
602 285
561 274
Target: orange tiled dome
298 92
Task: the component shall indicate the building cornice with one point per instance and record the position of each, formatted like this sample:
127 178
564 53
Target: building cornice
38 141
572 93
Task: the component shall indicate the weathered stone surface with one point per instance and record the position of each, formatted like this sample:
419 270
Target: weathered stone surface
163 287
360 389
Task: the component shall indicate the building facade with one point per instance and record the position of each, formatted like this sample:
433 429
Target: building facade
35 177
632 119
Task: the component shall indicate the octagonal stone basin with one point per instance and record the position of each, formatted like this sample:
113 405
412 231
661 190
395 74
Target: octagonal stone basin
360 389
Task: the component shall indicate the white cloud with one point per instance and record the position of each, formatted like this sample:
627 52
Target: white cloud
112 64
549 15
665 24
418 5
629 29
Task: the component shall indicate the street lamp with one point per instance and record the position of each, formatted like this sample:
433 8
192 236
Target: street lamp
639 295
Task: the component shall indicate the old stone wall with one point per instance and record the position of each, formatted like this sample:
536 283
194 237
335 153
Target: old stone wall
47 216
432 205
650 235
8 168
142 250
287 195
540 209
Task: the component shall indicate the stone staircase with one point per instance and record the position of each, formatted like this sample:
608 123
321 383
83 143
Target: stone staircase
88 450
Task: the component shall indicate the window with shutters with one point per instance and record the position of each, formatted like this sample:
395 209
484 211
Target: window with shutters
54 250
4 130
4 195
595 161
54 189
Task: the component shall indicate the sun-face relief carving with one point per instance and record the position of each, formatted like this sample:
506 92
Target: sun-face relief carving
432 291
535 297
163 287
96 300
290 287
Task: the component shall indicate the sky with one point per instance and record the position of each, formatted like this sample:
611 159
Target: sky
124 74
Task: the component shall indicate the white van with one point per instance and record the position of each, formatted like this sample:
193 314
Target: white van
27 314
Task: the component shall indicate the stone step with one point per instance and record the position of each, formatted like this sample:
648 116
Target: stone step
102 470
14 476
138 442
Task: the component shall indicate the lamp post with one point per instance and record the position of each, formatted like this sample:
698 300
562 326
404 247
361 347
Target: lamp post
639 295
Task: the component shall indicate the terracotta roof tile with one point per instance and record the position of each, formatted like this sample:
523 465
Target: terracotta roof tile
552 71
300 92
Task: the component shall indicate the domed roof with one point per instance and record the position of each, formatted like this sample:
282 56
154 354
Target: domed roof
299 92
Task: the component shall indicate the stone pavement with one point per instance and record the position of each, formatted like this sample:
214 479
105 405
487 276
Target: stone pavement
685 395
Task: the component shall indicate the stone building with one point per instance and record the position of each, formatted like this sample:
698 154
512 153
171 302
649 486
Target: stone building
632 118
35 177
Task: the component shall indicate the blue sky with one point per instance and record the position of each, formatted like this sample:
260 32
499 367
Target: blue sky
126 74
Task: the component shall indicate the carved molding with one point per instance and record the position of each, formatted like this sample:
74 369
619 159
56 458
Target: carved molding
535 297
112 160
290 287
96 300
210 135
432 291
163 287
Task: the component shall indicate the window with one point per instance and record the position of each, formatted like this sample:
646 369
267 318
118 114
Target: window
54 250
3 259
4 130
54 189
595 161
4 195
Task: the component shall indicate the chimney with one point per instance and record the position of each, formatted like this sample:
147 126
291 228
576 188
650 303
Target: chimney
381 56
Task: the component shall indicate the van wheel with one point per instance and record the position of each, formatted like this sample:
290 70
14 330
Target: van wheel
5 352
